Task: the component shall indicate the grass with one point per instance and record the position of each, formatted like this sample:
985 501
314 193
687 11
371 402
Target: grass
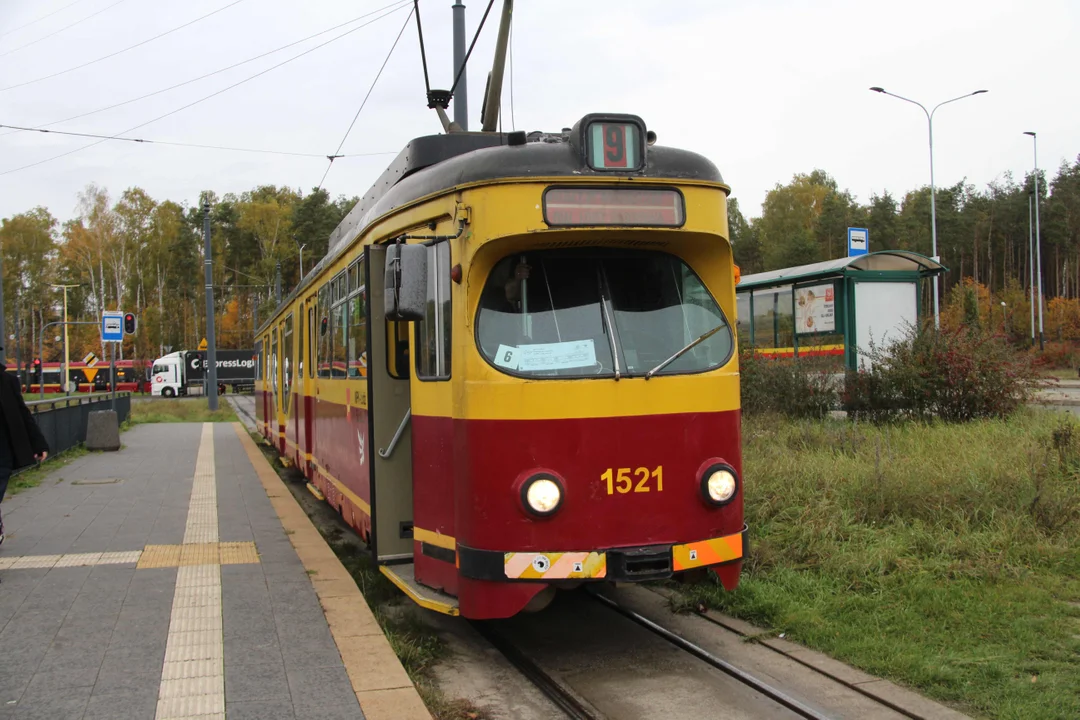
418 648
944 557
33 476
186 410
1068 374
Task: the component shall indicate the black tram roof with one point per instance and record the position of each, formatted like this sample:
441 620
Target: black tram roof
434 163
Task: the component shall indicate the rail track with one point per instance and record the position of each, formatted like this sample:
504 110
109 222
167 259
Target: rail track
599 656
575 705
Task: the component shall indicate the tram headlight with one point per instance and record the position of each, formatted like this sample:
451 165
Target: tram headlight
541 495
719 484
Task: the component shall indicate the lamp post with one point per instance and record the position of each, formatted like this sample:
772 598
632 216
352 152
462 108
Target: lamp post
1031 267
301 259
1038 246
65 379
933 208
1004 319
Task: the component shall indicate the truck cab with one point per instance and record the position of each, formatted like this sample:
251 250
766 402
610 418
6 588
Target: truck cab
167 376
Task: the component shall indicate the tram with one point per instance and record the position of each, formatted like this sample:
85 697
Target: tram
131 376
515 369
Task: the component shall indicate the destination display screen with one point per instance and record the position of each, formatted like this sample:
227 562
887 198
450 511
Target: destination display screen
653 207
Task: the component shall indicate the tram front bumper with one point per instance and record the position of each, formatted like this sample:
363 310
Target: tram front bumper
624 564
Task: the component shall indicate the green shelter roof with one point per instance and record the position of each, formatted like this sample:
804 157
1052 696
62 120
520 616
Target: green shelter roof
882 261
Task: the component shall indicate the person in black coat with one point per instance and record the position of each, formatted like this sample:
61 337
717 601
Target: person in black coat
21 441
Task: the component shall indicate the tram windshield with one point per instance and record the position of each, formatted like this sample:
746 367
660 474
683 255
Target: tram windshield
588 313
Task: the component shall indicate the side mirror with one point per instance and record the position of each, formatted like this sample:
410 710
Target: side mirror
405 293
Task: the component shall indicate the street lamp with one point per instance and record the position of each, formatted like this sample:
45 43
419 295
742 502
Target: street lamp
933 208
301 258
1004 319
1038 246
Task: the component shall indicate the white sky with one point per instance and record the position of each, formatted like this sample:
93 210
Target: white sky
764 89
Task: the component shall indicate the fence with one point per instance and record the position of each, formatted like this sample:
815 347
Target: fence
63 420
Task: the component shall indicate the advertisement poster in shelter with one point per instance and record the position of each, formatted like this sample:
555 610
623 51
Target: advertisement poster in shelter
815 309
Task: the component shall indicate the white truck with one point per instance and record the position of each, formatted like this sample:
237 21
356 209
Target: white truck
176 373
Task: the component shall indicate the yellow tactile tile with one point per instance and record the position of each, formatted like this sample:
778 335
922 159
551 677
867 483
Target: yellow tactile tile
238 553
159 556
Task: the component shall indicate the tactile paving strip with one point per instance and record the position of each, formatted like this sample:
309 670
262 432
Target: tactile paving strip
193 674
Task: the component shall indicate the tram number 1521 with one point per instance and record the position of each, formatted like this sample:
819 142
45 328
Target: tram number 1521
622 480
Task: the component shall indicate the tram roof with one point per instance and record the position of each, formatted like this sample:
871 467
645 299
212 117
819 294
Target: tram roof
881 261
434 163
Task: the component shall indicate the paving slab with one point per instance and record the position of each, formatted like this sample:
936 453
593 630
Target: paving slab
159 581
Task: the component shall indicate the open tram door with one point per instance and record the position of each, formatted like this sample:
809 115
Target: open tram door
390 441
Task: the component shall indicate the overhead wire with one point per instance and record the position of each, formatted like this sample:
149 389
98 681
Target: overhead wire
368 95
205 98
183 144
66 27
396 5
43 17
120 52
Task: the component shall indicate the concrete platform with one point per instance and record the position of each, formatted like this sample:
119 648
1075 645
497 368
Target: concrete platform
178 578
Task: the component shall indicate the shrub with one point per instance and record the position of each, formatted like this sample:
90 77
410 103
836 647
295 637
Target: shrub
955 374
796 388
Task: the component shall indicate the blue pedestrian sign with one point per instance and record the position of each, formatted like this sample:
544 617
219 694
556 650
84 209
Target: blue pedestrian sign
858 241
112 327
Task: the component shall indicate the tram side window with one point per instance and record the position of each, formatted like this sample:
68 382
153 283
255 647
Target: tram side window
287 361
273 358
311 340
324 331
433 332
357 314
259 362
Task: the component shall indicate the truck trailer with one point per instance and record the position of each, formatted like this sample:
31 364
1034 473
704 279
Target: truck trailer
176 373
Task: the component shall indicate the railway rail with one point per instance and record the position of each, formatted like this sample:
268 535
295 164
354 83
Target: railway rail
600 657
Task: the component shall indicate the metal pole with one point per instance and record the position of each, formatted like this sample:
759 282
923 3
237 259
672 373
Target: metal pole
112 376
67 372
301 263
18 344
1031 269
461 94
211 351
933 222
1038 244
493 100
277 284
41 360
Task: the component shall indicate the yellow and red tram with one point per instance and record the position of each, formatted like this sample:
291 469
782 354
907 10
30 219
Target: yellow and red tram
515 370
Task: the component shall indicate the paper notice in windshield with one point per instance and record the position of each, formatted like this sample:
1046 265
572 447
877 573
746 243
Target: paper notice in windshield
547 356
815 309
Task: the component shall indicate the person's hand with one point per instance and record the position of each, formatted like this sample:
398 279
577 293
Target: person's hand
40 457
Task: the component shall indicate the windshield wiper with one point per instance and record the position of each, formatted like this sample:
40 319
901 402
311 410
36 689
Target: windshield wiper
605 322
686 348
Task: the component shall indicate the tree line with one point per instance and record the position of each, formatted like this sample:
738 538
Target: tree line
143 255
982 232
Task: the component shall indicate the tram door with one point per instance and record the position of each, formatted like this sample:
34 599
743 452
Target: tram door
390 436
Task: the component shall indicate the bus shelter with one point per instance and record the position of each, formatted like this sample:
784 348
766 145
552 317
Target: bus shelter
835 308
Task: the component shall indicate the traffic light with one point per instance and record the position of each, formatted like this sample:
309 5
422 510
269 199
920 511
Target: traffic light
37 370
129 323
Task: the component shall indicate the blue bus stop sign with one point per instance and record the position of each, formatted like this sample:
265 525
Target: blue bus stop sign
112 327
858 241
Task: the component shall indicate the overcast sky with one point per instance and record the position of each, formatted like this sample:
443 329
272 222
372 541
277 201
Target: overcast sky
764 89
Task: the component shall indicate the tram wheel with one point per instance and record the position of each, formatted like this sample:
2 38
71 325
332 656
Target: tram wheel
540 600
